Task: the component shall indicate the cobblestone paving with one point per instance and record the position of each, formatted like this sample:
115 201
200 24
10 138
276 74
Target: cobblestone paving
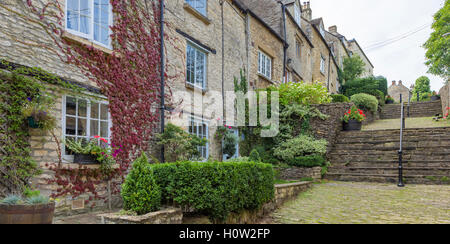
371 203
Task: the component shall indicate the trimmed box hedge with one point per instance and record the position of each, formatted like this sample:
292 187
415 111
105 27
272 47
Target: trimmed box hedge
216 188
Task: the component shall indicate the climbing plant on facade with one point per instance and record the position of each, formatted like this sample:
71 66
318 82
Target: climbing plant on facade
129 76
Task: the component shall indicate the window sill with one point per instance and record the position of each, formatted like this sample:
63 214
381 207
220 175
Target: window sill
266 78
74 38
197 14
195 88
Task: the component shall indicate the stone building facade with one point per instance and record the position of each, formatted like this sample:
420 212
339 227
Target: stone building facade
398 88
356 49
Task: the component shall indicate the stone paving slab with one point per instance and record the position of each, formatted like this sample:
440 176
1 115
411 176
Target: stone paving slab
367 203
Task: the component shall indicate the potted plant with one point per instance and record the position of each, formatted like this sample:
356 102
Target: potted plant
390 100
353 119
435 97
37 115
35 209
95 151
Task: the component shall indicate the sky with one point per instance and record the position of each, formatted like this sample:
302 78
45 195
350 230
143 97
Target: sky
375 21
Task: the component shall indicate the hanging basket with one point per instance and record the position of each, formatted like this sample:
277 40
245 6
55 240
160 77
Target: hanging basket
32 123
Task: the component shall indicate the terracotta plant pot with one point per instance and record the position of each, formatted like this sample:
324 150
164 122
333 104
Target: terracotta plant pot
27 214
352 125
85 159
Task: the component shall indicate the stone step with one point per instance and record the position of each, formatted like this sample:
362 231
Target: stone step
387 156
392 146
409 179
437 140
438 171
393 163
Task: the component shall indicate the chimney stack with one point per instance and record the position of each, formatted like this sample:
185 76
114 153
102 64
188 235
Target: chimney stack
394 83
333 29
400 83
306 11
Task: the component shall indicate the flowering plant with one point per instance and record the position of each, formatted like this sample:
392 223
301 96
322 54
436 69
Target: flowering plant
38 115
354 114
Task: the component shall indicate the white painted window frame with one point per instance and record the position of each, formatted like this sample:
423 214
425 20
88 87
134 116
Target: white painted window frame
199 121
205 64
196 8
70 158
90 36
265 60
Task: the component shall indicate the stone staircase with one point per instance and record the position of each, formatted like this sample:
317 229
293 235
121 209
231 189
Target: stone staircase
373 156
420 109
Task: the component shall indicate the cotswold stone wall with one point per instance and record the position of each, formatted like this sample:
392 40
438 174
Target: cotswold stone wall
329 129
445 98
166 216
297 173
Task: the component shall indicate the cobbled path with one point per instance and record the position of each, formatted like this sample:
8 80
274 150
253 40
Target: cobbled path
367 203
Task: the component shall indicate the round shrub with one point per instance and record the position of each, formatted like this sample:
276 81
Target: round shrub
140 192
339 98
365 102
308 161
254 156
294 151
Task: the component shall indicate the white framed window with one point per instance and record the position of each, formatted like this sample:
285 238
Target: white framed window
264 64
90 19
200 128
83 119
196 66
298 48
322 64
199 5
297 14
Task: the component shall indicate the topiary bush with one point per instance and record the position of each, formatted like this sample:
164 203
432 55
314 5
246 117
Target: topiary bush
140 192
365 102
339 98
216 189
254 156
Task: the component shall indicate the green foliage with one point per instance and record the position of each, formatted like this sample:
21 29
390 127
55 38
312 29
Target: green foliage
37 200
254 156
339 98
375 86
140 192
179 144
308 161
365 102
228 139
389 98
301 93
354 114
12 200
438 45
353 68
216 189
422 86
292 151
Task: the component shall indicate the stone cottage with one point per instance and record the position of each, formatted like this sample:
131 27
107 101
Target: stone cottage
396 89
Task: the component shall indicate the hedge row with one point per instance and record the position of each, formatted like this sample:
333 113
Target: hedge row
308 161
216 188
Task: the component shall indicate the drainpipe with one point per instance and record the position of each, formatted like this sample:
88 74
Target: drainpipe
285 46
163 107
329 68
223 65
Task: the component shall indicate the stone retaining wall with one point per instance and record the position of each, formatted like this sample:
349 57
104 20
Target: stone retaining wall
445 98
329 129
298 173
166 216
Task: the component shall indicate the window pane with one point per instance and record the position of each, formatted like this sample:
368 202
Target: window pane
97 32
82 108
200 69
84 8
70 126
190 64
94 110
73 5
84 24
104 33
67 151
104 19
82 126
94 128
72 20
104 129
104 112
96 11
71 106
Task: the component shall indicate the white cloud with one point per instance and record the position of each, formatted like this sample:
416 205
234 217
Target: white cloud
374 21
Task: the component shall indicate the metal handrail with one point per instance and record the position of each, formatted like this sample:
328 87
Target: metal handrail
400 152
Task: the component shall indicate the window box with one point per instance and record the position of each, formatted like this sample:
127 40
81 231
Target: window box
85 159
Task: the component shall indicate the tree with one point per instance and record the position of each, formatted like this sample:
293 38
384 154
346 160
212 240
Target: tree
353 68
437 46
422 87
